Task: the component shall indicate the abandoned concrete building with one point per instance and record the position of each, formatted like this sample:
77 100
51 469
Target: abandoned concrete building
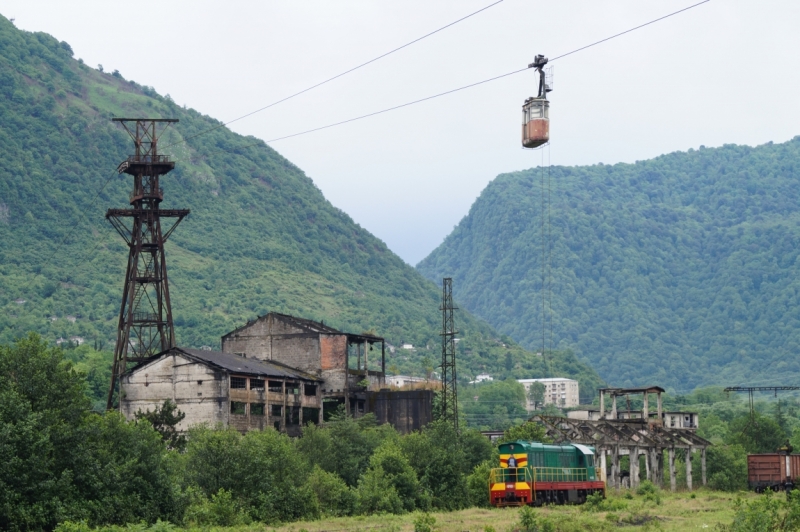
276 371
221 388
654 435
341 360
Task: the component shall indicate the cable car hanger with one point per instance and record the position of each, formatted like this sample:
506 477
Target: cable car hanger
536 111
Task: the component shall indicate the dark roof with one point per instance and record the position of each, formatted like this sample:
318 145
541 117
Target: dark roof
237 364
309 325
623 391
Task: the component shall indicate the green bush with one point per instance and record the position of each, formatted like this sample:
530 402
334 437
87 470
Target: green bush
478 484
218 510
424 522
334 497
596 502
649 492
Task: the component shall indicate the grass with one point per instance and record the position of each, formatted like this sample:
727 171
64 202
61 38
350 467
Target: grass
677 512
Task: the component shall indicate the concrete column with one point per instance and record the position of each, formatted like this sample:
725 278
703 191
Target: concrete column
703 464
672 479
633 461
646 407
615 466
689 468
614 407
321 406
602 404
603 463
366 364
647 469
283 417
655 471
660 408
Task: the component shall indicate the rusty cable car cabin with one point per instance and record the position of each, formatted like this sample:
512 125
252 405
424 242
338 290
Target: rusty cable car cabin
536 111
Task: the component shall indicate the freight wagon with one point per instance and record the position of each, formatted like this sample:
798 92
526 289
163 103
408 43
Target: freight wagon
533 473
775 471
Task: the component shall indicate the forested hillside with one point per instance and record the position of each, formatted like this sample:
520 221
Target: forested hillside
680 271
260 237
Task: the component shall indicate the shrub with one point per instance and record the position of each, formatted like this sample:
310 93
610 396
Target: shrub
424 522
334 497
649 491
478 484
220 510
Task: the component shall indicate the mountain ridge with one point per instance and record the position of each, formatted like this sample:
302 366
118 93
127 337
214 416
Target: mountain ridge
261 236
678 270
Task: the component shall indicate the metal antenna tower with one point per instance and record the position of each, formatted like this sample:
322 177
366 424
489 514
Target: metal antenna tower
449 385
145 315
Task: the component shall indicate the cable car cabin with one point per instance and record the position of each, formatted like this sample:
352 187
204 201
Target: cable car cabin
535 122
536 111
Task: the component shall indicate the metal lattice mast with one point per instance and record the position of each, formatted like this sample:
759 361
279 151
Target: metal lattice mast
449 386
145 315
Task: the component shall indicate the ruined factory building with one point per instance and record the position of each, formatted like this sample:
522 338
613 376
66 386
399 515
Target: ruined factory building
351 367
222 388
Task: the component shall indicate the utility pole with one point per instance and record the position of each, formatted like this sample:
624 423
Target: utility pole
449 384
145 315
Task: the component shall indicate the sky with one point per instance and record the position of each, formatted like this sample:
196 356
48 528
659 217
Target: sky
723 72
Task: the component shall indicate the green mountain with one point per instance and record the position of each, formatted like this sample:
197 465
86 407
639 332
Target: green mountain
260 237
681 271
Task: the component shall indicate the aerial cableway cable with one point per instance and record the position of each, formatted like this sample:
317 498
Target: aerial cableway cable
262 143
337 76
445 93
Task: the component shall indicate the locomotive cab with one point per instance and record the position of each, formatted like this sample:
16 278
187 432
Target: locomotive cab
536 111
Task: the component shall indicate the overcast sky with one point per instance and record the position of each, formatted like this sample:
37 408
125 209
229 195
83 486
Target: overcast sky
723 72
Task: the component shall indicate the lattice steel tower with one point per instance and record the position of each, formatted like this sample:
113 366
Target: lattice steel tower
145 315
449 386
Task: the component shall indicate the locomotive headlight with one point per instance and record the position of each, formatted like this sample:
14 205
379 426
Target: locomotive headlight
509 486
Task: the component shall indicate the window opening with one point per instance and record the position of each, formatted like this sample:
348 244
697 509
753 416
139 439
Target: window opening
238 383
310 389
256 409
256 384
277 410
275 386
238 409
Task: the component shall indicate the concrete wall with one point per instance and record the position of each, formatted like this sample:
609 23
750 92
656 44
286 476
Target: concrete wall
406 411
268 338
200 392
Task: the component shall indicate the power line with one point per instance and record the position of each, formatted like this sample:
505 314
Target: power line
273 104
628 31
394 108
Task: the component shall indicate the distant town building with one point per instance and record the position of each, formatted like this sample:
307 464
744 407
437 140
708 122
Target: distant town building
562 392
672 420
407 346
77 340
481 378
403 380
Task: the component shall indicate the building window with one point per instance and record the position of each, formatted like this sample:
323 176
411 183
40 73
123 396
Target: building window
310 389
256 384
243 355
238 383
277 410
292 388
256 409
238 409
275 386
